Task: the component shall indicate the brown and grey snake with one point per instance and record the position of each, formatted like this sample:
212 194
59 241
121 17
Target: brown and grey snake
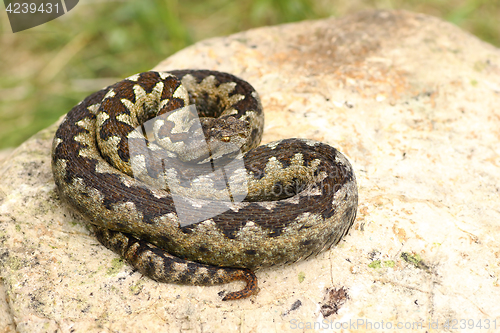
300 196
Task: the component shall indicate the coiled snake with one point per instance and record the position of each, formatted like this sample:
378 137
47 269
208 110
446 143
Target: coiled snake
300 196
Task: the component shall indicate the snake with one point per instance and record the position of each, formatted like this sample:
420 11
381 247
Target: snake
168 169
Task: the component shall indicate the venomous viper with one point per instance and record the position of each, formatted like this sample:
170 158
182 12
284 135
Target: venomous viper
300 196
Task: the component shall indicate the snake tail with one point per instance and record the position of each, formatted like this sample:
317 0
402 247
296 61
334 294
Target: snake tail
163 267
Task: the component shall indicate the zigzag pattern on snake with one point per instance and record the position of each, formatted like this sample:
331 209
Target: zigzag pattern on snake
301 194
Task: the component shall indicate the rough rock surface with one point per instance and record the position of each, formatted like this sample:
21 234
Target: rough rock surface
413 103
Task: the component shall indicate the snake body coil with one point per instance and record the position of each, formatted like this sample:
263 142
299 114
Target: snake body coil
300 199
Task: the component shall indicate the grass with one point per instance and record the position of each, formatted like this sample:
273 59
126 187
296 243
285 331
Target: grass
48 69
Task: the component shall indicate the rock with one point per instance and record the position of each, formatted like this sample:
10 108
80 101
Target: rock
4 154
413 103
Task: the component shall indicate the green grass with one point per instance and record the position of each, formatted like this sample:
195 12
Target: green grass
48 69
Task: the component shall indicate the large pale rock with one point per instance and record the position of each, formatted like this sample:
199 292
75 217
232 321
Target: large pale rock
413 103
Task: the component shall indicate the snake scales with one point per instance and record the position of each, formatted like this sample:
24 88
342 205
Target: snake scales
301 194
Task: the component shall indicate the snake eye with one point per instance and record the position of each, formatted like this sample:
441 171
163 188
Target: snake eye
225 139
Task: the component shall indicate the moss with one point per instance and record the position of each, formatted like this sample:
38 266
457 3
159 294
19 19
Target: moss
375 264
416 260
389 263
380 264
137 287
116 265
